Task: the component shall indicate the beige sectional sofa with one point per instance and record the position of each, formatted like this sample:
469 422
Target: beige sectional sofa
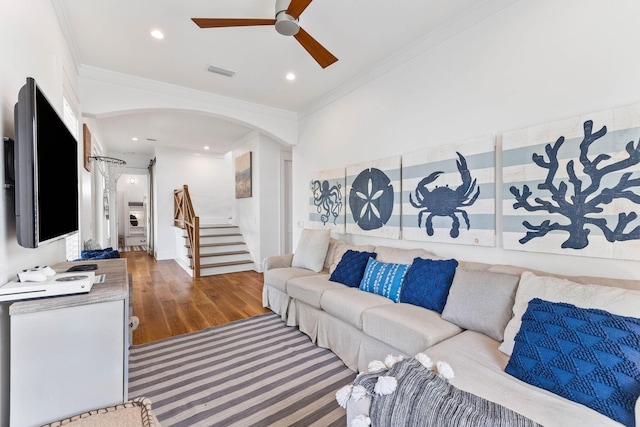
360 326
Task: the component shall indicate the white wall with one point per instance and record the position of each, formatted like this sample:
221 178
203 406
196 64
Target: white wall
31 45
210 187
259 216
531 63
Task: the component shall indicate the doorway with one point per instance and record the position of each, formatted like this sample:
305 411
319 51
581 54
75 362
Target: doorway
286 246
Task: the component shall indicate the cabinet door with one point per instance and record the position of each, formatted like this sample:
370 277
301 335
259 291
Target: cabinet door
66 361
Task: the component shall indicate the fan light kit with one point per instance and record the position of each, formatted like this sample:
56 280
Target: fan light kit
285 22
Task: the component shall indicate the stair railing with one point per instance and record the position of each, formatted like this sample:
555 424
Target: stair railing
184 217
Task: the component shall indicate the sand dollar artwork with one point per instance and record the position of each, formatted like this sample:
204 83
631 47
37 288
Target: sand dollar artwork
371 199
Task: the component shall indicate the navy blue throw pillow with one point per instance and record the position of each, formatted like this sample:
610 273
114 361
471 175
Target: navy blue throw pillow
350 269
427 283
586 355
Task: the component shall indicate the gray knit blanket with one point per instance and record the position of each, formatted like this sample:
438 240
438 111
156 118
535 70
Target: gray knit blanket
423 398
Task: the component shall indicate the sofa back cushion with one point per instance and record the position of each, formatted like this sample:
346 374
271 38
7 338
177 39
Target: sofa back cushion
481 301
311 250
618 301
350 269
589 356
401 256
342 249
384 279
331 253
427 283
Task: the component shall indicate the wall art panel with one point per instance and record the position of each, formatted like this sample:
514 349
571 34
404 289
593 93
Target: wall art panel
373 198
327 200
449 193
573 187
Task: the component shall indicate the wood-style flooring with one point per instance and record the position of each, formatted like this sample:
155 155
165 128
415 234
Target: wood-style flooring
170 302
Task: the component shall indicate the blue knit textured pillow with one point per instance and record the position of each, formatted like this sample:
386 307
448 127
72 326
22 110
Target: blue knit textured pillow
383 279
586 355
350 269
427 283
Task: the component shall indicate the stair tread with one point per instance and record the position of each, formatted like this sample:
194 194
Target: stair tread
217 226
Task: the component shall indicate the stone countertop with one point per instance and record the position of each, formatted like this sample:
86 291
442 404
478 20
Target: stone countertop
115 287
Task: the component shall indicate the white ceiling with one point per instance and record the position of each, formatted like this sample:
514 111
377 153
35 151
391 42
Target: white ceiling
115 35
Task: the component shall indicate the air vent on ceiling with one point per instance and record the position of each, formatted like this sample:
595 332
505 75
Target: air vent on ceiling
221 71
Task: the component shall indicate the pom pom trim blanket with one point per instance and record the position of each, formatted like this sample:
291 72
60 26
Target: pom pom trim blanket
424 398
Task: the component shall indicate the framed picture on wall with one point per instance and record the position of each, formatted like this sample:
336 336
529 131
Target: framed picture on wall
327 200
449 193
572 187
243 175
86 139
373 198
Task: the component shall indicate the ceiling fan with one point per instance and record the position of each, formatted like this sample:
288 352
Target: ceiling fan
286 23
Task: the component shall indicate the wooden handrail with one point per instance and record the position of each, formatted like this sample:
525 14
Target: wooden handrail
184 217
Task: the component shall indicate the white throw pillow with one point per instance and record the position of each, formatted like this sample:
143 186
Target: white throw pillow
312 250
618 301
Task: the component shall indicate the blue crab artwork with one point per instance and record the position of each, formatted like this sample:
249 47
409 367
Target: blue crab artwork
445 201
327 199
371 199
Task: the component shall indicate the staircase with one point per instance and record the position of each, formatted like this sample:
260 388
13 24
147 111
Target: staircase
222 250
211 249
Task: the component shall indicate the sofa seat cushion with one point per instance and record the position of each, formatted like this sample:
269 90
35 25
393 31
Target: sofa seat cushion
309 289
478 366
407 327
278 277
348 304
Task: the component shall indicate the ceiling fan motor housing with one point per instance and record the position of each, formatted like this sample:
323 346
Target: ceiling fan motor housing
285 24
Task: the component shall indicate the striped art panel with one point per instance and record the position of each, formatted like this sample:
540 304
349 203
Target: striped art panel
373 193
572 187
327 200
449 193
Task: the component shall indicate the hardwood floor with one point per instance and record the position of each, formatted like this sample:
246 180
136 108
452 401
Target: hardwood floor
170 302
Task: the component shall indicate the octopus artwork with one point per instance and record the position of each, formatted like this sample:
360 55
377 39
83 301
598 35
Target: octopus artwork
445 201
327 199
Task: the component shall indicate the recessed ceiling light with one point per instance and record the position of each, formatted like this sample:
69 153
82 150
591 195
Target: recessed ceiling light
291 76
206 147
134 139
157 34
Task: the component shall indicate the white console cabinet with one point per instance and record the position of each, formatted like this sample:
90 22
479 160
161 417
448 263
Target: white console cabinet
69 354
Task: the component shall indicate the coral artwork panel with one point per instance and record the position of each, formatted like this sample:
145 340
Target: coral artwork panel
327 200
449 193
572 187
373 198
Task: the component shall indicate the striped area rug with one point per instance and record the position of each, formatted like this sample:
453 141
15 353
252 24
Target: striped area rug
253 372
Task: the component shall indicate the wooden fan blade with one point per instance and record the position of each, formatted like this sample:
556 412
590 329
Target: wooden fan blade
315 49
231 22
296 7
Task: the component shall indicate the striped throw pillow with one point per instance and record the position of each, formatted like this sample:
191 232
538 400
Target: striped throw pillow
384 279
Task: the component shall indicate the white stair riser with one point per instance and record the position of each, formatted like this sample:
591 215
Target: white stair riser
219 239
226 248
226 269
217 231
225 258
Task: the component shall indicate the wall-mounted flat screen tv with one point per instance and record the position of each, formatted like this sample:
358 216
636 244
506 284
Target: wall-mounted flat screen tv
46 168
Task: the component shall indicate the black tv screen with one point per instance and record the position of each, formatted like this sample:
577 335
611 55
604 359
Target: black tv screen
46 165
